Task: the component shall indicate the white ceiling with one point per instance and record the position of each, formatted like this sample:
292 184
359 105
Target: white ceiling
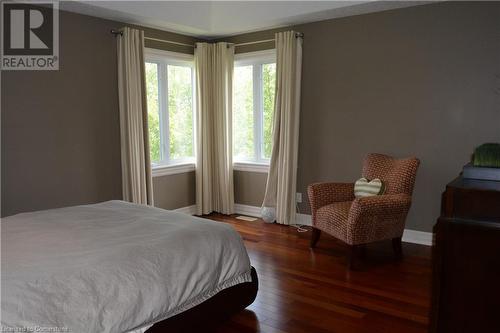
212 19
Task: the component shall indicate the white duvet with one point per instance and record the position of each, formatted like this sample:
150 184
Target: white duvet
112 267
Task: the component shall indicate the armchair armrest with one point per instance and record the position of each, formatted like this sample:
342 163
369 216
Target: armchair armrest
378 217
380 204
322 194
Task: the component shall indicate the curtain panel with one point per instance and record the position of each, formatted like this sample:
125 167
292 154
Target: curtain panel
137 185
279 201
214 168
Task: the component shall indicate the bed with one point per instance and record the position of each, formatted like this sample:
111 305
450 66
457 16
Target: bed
120 267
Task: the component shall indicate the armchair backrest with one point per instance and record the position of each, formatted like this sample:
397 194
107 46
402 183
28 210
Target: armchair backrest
398 175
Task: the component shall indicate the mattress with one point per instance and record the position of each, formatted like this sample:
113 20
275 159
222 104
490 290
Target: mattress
112 267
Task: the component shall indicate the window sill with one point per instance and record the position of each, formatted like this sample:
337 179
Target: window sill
251 167
165 170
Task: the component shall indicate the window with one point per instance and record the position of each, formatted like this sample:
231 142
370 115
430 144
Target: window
170 98
253 107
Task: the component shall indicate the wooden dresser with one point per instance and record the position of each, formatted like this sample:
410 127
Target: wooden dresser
466 259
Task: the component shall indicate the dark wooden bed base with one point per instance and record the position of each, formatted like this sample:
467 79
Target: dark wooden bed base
213 311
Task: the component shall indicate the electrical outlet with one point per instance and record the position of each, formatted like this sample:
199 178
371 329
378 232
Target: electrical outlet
298 197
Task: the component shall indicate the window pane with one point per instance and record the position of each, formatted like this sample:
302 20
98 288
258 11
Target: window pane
243 120
180 111
153 111
268 85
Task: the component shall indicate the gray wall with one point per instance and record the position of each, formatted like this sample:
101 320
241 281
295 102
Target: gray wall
175 191
421 81
60 138
249 187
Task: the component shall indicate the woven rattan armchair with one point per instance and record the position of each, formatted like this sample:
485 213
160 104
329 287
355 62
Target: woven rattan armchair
358 221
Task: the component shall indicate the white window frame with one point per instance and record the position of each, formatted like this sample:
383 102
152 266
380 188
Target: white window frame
163 58
257 59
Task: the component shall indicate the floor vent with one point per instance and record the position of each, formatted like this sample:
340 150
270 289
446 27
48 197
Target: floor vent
246 218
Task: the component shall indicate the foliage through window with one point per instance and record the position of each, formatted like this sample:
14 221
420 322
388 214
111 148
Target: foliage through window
253 107
169 83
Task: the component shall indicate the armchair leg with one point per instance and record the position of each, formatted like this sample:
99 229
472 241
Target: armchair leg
315 236
397 247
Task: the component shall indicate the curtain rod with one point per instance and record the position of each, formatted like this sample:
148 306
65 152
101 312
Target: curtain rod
118 32
297 35
169 42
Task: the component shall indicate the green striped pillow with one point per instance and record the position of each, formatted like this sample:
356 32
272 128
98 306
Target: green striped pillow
364 188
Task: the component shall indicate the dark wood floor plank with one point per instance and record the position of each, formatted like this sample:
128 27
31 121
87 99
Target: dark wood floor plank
304 290
347 298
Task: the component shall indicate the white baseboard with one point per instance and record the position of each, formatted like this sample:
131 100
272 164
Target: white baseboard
417 237
190 210
247 210
304 219
409 236
254 211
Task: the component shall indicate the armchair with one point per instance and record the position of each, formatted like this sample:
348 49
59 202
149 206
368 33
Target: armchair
358 221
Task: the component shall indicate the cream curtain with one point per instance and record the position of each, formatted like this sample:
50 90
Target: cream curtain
136 167
279 200
214 168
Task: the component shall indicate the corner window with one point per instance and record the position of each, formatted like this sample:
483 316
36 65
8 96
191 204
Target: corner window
170 100
253 107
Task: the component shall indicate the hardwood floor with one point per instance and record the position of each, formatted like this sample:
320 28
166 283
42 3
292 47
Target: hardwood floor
303 290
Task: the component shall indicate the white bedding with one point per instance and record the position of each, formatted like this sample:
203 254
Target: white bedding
113 266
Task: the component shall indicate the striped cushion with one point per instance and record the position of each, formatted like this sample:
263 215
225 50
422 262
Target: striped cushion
364 188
